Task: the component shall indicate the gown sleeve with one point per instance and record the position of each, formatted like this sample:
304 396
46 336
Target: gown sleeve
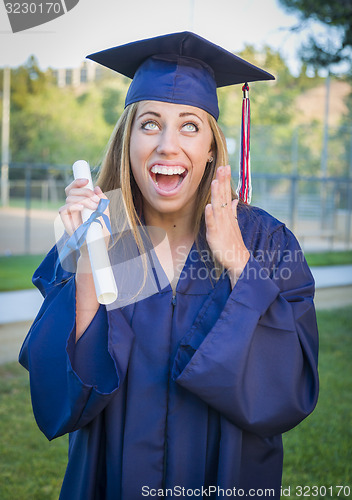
256 361
71 383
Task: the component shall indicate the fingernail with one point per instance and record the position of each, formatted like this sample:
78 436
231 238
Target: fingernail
96 198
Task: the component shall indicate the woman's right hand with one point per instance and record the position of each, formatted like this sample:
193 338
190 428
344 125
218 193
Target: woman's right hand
78 197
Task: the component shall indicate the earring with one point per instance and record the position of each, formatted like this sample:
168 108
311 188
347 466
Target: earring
211 159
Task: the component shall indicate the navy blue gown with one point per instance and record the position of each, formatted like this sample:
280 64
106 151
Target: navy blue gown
191 392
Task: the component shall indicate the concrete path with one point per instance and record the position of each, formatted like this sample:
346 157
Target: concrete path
326 277
18 309
12 336
19 306
25 233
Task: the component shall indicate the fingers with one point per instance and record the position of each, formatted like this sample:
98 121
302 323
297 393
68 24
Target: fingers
221 192
99 192
77 183
214 189
71 217
78 194
70 209
209 217
86 192
234 206
90 202
78 198
222 230
223 175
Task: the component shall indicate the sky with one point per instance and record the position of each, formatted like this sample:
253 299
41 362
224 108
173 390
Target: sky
99 24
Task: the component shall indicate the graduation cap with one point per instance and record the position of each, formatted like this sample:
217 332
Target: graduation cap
184 68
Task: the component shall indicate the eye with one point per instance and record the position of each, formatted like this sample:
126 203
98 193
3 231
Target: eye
149 125
190 127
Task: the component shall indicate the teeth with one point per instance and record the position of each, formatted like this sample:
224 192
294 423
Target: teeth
162 169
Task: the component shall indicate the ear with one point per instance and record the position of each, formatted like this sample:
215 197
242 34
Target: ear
210 155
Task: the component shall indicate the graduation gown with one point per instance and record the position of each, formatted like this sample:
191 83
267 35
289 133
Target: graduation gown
186 392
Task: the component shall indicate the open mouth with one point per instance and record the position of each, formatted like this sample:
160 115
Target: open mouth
166 177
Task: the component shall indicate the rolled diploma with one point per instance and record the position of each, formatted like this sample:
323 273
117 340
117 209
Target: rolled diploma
104 280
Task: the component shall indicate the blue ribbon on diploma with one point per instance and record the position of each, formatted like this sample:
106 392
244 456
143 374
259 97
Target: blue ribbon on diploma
77 239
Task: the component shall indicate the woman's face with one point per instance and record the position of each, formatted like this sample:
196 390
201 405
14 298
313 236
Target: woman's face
169 148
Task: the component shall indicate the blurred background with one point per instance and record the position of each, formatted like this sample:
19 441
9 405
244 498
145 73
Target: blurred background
56 107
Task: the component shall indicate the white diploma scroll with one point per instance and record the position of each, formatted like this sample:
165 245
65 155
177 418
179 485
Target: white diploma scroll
104 280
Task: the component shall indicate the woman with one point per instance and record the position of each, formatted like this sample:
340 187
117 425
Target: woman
184 391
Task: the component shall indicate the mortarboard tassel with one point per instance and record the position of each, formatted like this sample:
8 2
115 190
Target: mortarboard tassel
244 189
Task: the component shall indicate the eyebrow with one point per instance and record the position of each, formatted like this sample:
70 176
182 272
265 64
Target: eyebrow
158 115
190 114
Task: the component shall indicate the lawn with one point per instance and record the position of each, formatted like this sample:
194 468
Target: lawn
319 450
16 271
31 468
317 453
329 258
37 204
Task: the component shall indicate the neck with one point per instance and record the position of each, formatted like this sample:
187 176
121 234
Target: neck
178 226
171 251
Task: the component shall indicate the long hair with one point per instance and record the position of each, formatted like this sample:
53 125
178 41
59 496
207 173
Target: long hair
116 173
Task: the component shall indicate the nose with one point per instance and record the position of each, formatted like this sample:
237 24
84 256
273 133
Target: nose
168 142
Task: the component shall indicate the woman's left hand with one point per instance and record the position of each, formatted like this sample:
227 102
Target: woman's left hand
222 230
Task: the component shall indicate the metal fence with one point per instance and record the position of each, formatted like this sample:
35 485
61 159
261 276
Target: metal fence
319 211
314 208
39 184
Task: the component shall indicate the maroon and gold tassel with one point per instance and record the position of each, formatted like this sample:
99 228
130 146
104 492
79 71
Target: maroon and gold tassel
244 189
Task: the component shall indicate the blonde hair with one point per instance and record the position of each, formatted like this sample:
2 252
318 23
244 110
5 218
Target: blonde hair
115 173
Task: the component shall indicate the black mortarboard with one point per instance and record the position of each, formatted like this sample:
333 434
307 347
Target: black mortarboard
181 68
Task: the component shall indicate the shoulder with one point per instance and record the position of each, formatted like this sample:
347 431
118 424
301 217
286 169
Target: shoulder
275 247
262 232
256 220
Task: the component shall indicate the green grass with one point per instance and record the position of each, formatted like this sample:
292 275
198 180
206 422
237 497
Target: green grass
31 468
329 258
317 452
16 271
37 204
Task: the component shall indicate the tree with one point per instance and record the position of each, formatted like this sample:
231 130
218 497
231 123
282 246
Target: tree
113 99
272 101
336 15
57 127
27 80
272 105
